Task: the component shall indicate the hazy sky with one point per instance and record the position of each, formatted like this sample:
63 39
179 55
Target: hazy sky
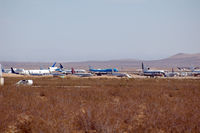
79 30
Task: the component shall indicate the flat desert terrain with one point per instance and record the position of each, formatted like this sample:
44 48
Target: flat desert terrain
100 105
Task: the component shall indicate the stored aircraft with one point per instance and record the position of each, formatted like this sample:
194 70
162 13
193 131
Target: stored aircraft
172 73
122 75
80 74
152 73
100 72
190 71
69 71
36 72
195 72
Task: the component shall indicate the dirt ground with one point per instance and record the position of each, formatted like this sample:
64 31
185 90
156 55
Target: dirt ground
100 105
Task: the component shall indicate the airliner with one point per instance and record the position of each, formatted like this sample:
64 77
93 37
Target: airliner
36 72
73 72
190 70
152 73
100 72
69 71
172 73
195 72
122 75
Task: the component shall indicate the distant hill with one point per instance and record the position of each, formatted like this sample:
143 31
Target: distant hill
178 60
181 59
185 56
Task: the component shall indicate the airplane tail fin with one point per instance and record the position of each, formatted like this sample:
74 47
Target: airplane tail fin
164 75
142 67
12 70
172 70
73 72
3 70
61 66
53 65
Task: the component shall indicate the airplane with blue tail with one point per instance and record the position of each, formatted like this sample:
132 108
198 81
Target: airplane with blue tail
36 72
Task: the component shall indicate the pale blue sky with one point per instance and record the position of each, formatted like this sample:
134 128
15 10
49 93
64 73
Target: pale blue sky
79 30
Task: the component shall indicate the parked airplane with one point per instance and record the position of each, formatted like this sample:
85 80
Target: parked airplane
69 71
190 71
35 72
100 72
172 73
73 72
188 68
152 73
122 75
32 72
195 72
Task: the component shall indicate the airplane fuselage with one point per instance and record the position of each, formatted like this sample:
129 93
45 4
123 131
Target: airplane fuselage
109 70
36 72
153 73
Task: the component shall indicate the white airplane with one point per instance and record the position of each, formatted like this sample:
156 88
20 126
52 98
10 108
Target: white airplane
73 72
36 72
69 71
122 75
190 71
195 72
152 73
172 73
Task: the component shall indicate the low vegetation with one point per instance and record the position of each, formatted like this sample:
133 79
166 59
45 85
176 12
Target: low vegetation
84 105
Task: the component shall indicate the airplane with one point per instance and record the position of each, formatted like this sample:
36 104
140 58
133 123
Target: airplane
35 72
100 72
73 72
187 68
195 72
172 73
152 73
32 72
69 71
190 71
122 75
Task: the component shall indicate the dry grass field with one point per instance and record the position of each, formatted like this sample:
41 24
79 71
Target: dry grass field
87 105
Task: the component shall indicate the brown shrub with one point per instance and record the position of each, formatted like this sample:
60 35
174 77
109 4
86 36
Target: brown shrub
100 105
